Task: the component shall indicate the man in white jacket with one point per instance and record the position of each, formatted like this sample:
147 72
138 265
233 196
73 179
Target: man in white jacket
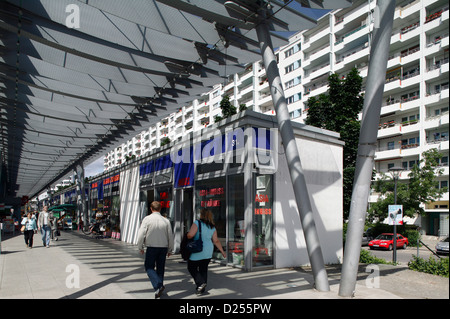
155 233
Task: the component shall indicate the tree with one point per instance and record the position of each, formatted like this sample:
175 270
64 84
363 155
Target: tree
228 109
338 111
420 188
164 141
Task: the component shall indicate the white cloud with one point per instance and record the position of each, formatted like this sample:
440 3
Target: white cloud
94 168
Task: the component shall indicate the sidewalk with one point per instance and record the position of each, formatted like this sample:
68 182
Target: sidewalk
110 269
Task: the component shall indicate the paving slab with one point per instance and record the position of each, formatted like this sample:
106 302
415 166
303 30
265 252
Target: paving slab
79 267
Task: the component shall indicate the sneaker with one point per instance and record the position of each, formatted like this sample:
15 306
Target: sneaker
201 289
159 292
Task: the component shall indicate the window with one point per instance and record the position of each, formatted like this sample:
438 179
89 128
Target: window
410 142
294 49
293 98
236 223
293 82
292 67
263 222
441 111
295 114
210 194
390 145
216 93
443 184
164 196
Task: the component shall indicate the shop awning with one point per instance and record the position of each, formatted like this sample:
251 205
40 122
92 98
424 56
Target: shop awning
63 207
78 78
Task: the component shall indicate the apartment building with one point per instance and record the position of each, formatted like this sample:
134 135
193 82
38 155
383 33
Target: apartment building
414 115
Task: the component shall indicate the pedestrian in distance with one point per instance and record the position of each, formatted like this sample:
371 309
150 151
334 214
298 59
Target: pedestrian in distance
198 262
155 234
45 222
29 222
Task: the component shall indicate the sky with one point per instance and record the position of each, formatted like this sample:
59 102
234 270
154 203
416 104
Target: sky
94 168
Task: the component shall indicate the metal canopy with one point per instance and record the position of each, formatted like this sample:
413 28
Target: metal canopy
69 95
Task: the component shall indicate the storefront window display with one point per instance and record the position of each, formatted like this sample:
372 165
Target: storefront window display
164 195
115 204
210 194
263 221
96 199
236 224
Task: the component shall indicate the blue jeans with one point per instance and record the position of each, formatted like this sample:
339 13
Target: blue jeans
46 232
155 256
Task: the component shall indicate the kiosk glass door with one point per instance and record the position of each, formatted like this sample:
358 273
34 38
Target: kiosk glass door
263 221
187 209
236 224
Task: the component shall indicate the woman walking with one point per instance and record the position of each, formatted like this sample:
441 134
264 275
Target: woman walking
30 227
198 262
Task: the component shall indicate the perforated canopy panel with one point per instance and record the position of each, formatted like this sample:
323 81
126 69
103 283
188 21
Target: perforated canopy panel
78 78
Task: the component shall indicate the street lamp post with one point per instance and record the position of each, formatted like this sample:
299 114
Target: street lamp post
395 171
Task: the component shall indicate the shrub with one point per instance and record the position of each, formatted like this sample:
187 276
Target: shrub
366 257
430 266
413 236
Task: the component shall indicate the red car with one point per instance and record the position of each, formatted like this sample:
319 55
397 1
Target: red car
386 241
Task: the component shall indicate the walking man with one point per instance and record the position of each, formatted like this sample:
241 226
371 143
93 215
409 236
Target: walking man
45 221
155 233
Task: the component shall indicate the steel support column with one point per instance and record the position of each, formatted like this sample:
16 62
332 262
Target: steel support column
292 155
379 52
81 196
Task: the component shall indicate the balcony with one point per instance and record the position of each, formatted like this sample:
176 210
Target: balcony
406 33
440 144
356 14
435 19
352 35
315 37
388 129
409 127
407 10
384 153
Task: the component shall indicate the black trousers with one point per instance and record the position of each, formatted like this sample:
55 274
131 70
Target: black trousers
28 234
199 271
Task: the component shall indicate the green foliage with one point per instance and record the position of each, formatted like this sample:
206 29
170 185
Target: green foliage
227 108
430 266
366 257
165 141
413 236
420 188
338 111
130 157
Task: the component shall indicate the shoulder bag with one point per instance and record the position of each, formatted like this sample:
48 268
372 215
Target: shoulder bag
196 246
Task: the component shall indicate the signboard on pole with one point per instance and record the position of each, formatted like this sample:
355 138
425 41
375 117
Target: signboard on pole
395 214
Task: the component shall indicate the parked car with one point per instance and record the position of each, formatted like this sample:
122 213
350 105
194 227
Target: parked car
442 247
367 237
386 241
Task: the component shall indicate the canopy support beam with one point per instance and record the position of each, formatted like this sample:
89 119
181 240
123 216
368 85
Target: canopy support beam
292 155
376 78
81 196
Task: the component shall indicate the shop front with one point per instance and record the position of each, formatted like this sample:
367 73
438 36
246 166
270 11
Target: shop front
111 205
238 172
104 203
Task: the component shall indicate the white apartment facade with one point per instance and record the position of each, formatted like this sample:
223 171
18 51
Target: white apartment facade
414 115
